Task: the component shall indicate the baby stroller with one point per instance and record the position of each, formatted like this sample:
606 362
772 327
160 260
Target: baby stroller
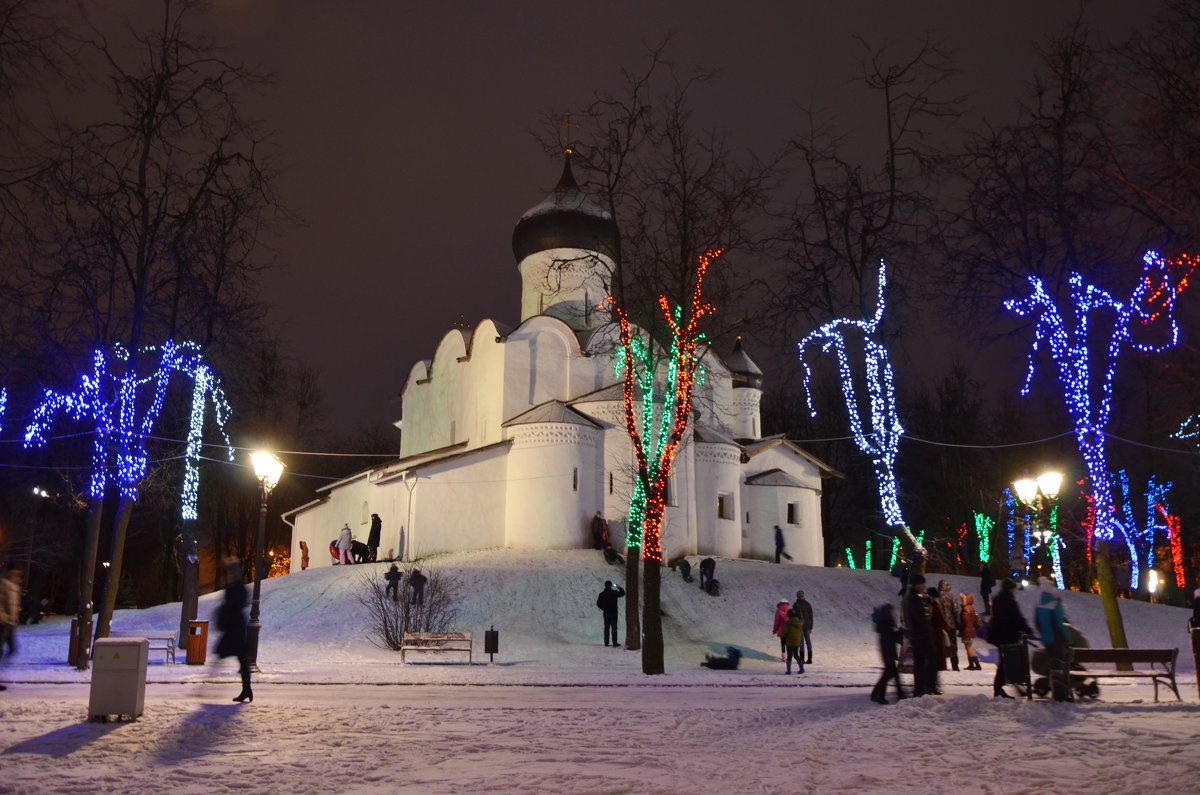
1051 672
727 663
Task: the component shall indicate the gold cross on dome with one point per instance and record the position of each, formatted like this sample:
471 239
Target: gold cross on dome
567 125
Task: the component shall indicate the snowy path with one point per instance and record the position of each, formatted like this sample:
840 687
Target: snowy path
362 738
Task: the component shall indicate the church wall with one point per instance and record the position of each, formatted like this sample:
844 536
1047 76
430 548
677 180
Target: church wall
457 505
537 362
566 283
679 523
614 468
718 471
714 398
483 398
805 540
745 413
552 486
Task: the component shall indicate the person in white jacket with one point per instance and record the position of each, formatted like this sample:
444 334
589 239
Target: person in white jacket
345 545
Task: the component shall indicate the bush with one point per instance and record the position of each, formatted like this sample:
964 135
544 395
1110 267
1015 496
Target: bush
389 619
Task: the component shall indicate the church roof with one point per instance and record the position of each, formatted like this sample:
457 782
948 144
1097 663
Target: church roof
742 369
552 411
773 477
762 445
707 434
565 219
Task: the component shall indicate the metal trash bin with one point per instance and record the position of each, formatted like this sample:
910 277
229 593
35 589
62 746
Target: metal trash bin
118 678
197 642
491 643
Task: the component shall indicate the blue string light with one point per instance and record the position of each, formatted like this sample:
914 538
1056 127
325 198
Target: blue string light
1146 323
878 436
121 429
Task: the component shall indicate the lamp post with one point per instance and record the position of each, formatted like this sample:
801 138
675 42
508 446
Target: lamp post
268 469
1035 493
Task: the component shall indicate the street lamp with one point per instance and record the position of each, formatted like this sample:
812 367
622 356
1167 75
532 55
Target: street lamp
1033 492
268 469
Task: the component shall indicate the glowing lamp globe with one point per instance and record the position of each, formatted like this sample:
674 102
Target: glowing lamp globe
267 468
1026 489
1050 483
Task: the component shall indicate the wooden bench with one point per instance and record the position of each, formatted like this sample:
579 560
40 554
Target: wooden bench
159 641
1161 662
436 642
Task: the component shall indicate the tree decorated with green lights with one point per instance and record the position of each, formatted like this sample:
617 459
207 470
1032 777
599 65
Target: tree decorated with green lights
659 385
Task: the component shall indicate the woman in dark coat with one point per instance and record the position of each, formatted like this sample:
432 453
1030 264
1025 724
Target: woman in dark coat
1005 628
232 624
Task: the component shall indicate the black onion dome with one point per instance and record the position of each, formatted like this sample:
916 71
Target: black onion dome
565 219
742 369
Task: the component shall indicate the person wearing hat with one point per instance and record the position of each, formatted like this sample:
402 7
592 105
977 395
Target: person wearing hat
781 616
918 622
1195 620
804 609
1006 627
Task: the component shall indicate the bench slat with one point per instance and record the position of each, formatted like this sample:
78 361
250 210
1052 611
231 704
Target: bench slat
1126 655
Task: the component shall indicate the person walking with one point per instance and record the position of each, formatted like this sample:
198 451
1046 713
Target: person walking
805 611
779 545
793 638
607 602
781 615
987 583
231 622
1051 623
889 638
393 577
1005 628
918 625
345 545
951 612
417 581
373 537
10 612
968 629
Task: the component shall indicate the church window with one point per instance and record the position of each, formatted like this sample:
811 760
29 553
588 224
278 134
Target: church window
724 506
793 513
672 497
610 483
575 479
366 513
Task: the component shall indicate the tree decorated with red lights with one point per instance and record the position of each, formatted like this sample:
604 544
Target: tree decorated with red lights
659 384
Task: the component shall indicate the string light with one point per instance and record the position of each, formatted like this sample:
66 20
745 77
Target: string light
1172 524
121 427
1088 390
655 444
878 434
983 531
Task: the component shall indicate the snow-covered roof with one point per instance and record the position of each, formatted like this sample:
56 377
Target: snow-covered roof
773 477
552 411
762 445
706 434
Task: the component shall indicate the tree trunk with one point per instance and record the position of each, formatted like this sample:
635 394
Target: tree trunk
652 649
1108 597
87 581
190 560
633 623
112 583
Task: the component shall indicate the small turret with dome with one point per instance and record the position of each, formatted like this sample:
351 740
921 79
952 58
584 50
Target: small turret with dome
747 381
564 246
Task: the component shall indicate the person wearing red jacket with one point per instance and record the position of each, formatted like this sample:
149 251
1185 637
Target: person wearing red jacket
781 611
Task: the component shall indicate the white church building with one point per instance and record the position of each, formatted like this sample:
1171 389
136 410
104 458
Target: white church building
514 437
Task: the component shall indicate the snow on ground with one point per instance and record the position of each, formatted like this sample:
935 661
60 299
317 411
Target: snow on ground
559 712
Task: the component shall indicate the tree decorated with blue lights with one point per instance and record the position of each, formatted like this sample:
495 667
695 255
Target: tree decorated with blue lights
874 423
1087 375
121 416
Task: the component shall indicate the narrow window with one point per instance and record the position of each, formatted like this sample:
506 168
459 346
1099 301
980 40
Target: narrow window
575 479
724 506
793 513
610 483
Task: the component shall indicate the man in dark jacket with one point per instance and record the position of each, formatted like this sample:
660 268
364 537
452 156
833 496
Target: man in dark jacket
373 537
708 568
607 602
889 638
986 584
780 544
1005 628
803 609
231 622
599 530
393 577
918 622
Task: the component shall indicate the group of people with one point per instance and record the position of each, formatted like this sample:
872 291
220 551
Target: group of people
934 618
416 583
601 541
350 550
793 627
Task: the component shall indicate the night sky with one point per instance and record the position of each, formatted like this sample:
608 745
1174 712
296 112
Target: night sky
405 132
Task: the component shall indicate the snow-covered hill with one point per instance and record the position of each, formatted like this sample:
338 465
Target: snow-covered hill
543 604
